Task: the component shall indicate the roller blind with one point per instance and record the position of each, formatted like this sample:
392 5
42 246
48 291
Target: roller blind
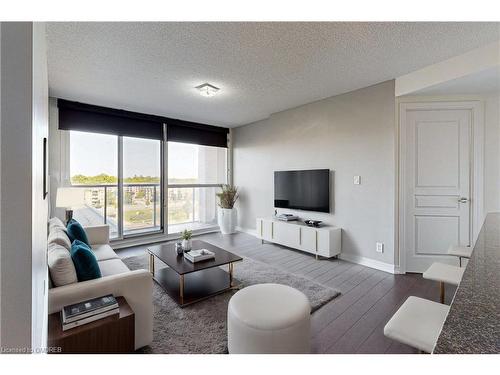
96 119
190 132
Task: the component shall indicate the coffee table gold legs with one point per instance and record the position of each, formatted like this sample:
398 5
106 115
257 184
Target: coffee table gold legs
152 264
441 292
181 288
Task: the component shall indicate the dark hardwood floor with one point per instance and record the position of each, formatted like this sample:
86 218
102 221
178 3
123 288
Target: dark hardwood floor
351 323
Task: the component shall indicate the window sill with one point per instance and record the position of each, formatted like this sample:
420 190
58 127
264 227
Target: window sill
156 238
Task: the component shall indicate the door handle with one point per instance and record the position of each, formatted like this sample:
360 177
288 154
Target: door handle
463 200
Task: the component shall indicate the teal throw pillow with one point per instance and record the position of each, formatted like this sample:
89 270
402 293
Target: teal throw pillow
85 262
76 232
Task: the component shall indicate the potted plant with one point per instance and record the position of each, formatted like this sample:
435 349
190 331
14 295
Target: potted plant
226 215
186 239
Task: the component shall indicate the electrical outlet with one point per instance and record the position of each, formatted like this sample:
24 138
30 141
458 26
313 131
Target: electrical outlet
357 180
380 247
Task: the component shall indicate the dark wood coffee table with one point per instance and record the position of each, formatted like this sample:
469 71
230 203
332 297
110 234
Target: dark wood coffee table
188 282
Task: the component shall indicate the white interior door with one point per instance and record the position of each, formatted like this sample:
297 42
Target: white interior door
437 175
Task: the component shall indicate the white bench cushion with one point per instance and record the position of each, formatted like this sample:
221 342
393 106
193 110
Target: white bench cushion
460 251
417 323
444 273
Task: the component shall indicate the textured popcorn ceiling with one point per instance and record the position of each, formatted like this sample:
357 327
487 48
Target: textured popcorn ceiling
261 68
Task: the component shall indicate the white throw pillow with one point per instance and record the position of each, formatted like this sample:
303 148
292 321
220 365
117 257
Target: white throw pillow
55 222
60 237
61 267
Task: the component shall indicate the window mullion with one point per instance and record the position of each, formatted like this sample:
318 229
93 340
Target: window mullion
164 180
229 158
120 187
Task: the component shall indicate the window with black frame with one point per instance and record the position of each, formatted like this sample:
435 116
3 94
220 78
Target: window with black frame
138 209
118 158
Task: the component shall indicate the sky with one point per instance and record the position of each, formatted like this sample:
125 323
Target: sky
92 154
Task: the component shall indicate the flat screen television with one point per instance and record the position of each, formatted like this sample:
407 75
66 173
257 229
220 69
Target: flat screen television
307 190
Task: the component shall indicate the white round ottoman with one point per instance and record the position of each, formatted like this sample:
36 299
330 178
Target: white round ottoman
268 318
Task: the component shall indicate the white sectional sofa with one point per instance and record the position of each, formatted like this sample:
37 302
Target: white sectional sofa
135 286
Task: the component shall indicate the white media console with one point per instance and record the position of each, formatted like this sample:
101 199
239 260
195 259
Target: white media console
325 241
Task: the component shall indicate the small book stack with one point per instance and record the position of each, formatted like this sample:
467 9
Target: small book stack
287 217
199 255
88 311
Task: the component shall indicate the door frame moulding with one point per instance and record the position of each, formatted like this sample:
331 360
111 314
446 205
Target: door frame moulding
476 106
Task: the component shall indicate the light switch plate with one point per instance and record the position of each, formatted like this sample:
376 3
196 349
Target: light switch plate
380 247
357 180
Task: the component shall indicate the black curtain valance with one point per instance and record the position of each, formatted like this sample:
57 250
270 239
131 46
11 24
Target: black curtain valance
97 119
192 132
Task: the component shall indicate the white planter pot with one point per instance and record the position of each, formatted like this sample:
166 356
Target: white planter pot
227 218
186 245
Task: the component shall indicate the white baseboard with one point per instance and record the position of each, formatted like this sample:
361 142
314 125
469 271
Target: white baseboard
378 265
397 270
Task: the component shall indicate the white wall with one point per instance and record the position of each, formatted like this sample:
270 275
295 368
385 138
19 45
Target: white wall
0 185
16 185
472 76
40 130
351 134
469 63
492 154
58 159
24 122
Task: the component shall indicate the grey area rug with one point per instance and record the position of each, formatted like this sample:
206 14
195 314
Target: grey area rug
201 327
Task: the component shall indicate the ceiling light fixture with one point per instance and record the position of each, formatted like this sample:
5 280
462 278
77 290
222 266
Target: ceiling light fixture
206 89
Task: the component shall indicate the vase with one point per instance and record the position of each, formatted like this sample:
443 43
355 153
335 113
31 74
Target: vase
227 218
186 245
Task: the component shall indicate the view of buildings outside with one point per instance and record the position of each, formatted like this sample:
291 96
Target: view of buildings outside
141 185
97 168
188 208
193 208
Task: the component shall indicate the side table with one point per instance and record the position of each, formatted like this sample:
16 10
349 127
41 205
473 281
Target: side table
113 334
